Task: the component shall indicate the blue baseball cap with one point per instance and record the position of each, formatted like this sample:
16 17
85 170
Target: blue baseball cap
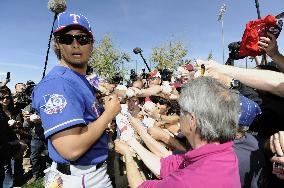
67 19
249 110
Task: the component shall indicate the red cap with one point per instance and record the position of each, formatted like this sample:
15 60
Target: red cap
155 73
147 99
189 67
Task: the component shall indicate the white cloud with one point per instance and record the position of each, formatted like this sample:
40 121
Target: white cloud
20 65
3 73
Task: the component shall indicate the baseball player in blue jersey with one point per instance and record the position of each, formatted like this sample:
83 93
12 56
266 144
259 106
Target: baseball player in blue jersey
73 120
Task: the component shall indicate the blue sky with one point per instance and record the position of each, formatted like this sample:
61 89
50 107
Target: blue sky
25 27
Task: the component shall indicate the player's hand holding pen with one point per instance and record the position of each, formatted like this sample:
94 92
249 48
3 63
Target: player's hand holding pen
112 104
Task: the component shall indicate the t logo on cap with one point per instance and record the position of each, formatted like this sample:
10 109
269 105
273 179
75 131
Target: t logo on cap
71 19
75 18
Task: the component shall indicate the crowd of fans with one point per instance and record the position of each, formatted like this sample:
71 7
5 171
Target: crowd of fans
238 106
202 125
23 147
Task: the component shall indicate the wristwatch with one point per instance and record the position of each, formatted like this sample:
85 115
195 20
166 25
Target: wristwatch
235 84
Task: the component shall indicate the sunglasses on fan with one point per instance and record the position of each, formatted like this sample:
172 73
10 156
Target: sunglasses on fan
68 39
160 100
4 97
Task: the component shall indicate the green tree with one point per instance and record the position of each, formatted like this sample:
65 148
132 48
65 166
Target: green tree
184 62
210 56
106 59
169 56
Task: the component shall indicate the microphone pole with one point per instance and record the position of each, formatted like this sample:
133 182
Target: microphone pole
144 60
48 47
55 6
264 60
257 9
138 50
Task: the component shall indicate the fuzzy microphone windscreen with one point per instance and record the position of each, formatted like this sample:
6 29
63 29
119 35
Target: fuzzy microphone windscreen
57 6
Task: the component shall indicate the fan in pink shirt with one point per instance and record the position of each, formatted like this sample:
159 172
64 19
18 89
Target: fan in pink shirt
209 118
212 165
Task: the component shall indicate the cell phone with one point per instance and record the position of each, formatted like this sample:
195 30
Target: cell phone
278 166
8 76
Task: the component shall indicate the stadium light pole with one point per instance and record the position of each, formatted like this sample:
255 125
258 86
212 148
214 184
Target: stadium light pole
221 18
136 68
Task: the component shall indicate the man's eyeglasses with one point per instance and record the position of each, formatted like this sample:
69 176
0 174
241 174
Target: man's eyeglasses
68 39
4 97
183 113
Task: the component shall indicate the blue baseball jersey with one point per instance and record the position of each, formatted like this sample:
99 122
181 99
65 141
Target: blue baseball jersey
65 99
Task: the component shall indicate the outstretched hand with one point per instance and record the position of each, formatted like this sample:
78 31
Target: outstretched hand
122 147
214 70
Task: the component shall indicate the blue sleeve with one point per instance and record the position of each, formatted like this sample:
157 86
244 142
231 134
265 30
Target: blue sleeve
59 105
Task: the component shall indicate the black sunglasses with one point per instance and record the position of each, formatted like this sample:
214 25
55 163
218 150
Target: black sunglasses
68 39
160 100
4 97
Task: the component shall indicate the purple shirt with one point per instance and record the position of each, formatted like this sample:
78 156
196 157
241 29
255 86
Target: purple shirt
212 165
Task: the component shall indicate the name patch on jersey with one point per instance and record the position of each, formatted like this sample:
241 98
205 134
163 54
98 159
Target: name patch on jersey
54 103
